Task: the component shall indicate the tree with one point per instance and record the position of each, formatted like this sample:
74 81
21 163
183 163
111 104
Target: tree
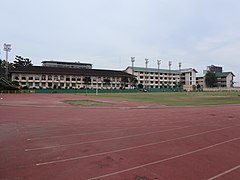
134 81
210 79
4 62
180 84
198 87
87 81
124 80
21 62
140 86
107 81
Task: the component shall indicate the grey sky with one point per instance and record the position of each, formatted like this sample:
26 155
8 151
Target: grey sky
107 33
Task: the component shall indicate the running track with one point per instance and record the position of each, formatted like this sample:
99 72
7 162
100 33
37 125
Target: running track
42 138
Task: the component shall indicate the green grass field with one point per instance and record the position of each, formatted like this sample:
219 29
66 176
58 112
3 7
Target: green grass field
178 98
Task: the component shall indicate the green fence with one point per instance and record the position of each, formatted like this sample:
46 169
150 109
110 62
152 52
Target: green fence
107 90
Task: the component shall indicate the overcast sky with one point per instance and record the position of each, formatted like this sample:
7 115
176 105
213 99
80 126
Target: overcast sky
107 33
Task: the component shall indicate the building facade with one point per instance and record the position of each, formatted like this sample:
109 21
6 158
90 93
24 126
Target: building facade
163 78
223 79
55 77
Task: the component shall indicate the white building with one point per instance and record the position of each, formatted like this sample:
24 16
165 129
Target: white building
164 78
55 77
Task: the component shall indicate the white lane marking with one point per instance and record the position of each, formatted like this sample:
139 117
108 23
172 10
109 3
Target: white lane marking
80 134
129 148
166 124
163 160
108 139
225 172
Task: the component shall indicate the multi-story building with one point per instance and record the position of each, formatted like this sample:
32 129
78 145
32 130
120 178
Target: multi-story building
188 78
55 77
163 78
67 64
224 79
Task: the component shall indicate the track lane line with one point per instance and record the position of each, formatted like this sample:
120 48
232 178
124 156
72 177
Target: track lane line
108 139
163 160
129 148
225 172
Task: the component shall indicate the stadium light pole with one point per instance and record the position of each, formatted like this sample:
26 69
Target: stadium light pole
179 66
158 63
132 60
146 62
7 48
169 64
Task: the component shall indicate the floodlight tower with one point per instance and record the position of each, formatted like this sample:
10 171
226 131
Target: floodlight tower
159 63
146 62
7 48
169 64
133 60
180 65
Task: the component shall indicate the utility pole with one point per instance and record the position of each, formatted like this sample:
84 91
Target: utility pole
158 63
7 48
169 64
180 65
133 60
146 82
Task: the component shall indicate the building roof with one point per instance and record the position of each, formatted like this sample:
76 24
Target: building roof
223 74
218 74
188 70
153 70
64 62
69 71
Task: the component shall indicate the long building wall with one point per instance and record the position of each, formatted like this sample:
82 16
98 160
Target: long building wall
66 81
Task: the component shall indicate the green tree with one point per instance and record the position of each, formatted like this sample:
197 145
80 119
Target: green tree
3 64
21 62
210 79
87 81
134 82
107 81
140 86
180 84
124 81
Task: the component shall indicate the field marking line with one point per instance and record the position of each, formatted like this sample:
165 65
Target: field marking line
129 148
79 134
108 139
223 173
50 137
164 160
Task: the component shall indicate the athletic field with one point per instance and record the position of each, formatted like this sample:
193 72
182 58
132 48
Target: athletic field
78 137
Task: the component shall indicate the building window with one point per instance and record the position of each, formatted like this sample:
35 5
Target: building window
49 84
30 78
16 77
62 78
37 77
67 78
55 78
49 77
43 77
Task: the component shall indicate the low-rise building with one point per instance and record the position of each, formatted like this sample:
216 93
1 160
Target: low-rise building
56 77
223 79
